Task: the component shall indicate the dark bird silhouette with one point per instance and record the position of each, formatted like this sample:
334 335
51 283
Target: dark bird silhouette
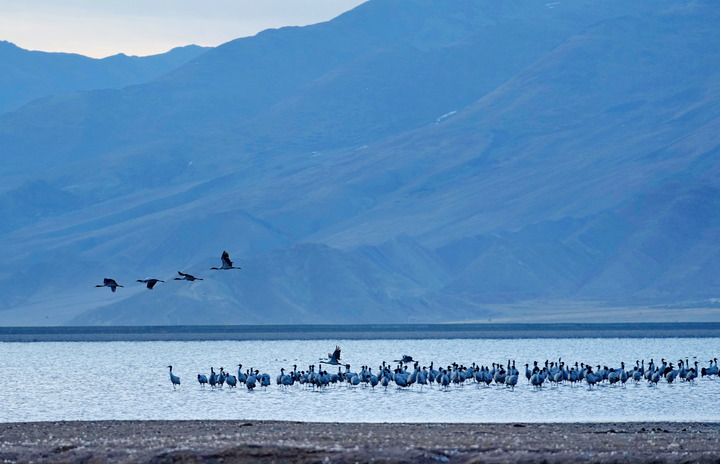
109 283
184 276
226 263
150 282
334 358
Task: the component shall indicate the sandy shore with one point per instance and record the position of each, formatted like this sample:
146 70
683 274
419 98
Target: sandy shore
295 442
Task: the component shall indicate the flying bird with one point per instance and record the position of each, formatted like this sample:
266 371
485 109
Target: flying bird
109 283
150 282
226 263
188 277
334 358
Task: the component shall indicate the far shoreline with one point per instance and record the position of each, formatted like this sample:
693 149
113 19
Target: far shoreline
360 332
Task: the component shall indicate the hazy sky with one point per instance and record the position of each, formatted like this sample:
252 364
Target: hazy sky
100 28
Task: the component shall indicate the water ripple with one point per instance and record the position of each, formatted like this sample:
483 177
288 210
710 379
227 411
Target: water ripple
52 381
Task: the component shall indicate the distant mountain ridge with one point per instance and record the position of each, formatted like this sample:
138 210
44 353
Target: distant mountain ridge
408 161
26 75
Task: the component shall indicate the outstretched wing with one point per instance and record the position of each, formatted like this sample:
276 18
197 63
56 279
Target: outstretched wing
336 353
226 259
151 283
107 281
183 274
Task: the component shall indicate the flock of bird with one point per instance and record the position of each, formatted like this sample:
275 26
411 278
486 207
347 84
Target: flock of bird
227 264
402 375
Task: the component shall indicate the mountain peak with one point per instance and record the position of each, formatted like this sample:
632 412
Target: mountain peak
581 163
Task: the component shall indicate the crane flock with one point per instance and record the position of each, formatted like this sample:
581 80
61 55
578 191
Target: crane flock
408 373
227 264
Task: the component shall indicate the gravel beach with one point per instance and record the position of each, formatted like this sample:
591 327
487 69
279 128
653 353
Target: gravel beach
299 442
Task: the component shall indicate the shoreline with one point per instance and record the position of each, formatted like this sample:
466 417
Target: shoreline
360 332
304 442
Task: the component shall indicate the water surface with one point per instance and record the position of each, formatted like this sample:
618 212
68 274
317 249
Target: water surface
46 381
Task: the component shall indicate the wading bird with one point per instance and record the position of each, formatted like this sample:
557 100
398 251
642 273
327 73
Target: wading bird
174 378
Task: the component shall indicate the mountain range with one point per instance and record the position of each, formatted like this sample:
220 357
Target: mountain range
27 75
407 161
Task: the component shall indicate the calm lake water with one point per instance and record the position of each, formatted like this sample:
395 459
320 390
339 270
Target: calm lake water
49 381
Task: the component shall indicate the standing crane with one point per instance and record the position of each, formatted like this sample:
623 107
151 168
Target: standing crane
174 378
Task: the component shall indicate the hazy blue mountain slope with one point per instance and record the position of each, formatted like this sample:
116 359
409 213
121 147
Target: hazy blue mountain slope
404 256
372 97
660 248
26 75
624 137
582 169
545 145
31 201
224 89
217 92
307 283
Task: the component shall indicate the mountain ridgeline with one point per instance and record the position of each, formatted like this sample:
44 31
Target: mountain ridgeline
27 75
407 161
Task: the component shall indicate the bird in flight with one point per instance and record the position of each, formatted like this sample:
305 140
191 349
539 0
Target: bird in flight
109 283
184 276
334 358
150 282
226 263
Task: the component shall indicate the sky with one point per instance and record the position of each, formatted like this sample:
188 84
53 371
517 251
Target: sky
100 28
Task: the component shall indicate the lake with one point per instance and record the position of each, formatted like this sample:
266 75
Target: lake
128 380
